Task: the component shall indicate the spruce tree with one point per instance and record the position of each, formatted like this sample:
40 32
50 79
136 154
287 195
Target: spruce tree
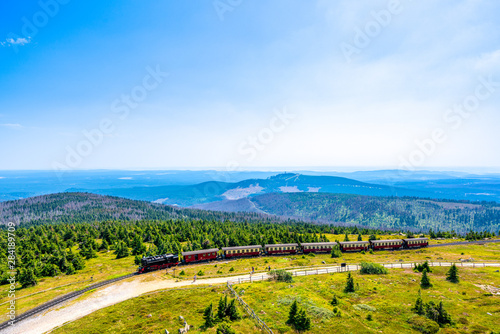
346 238
419 304
233 311
349 286
452 274
360 238
221 310
444 318
292 315
208 315
425 282
27 277
302 321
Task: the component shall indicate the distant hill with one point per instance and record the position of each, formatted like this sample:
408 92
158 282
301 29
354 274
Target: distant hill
84 207
212 191
406 213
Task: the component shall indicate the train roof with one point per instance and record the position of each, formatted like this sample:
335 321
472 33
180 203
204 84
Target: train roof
353 242
241 247
318 243
387 240
281 245
418 239
201 251
157 258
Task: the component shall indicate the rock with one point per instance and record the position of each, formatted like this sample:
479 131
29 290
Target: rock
497 271
488 313
323 262
149 315
262 312
181 318
166 331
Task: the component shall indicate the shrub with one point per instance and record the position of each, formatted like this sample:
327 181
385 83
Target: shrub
311 254
349 286
231 269
368 268
421 267
369 317
200 273
182 273
425 282
225 328
281 275
423 325
336 251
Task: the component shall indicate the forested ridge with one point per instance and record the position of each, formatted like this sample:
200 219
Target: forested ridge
398 213
86 207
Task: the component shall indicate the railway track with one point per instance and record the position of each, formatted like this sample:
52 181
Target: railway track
74 294
61 299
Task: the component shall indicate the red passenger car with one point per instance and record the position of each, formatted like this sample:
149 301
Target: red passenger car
387 244
240 251
281 249
318 247
416 242
354 246
200 255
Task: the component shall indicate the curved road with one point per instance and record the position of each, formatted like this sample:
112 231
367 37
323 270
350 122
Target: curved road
127 290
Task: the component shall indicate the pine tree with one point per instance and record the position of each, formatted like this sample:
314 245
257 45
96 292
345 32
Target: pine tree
346 238
221 310
302 321
292 315
419 305
360 238
232 312
27 277
349 286
452 274
208 315
425 282
444 318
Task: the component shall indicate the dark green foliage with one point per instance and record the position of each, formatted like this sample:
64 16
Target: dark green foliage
225 328
137 260
425 283
419 305
221 310
27 277
335 300
423 325
346 238
349 286
281 275
421 267
336 251
360 238
292 314
208 316
121 250
369 317
368 268
231 269
232 311
302 321
432 311
452 274
182 273
372 237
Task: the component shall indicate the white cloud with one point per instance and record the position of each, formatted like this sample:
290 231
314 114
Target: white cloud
12 126
17 41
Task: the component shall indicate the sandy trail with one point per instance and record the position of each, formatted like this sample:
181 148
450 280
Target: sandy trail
104 297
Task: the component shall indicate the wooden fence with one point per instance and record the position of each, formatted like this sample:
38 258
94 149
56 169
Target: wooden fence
249 310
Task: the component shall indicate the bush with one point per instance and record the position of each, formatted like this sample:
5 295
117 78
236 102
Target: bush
421 267
182 273
369 317
311 254
225 328
368 268
231 269
423 325
200 273
281 275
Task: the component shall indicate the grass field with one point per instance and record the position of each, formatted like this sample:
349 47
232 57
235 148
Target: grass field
132 316
388 298
105 266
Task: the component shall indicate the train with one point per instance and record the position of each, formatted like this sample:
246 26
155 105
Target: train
152 263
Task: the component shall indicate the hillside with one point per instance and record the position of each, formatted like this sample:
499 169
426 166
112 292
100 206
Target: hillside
213 191
85 207
405 213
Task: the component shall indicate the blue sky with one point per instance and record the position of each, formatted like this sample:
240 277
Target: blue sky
366 83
